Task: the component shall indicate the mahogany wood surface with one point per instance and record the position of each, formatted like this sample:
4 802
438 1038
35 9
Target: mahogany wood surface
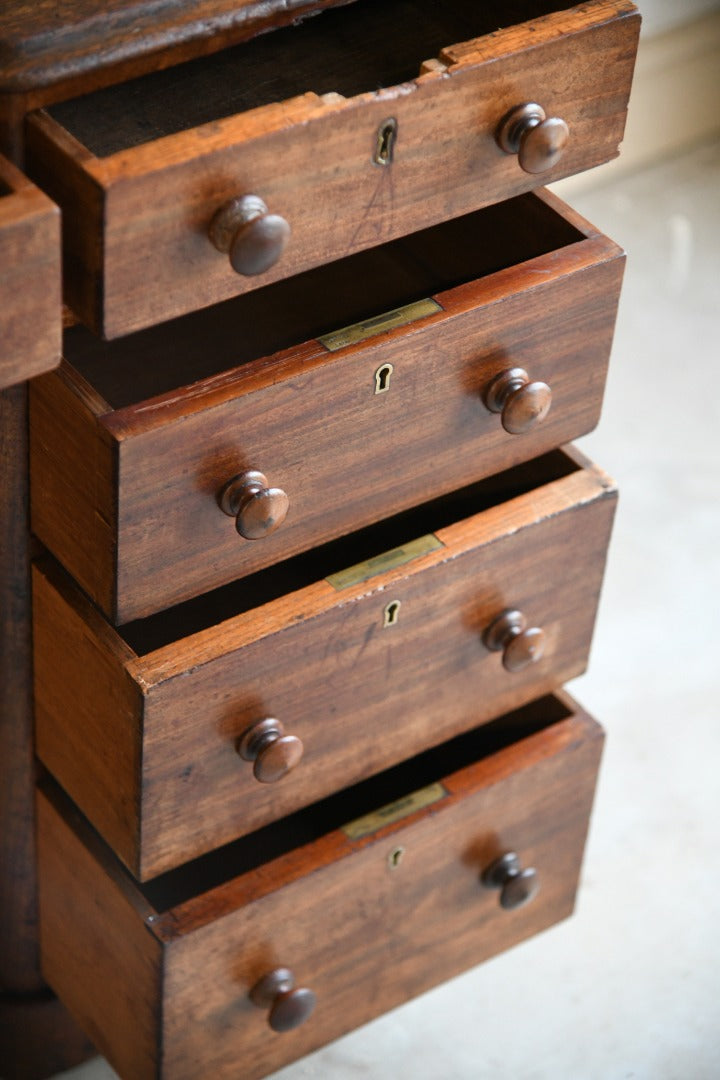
19 970
128 498
30 301
151 205
144 737
390 928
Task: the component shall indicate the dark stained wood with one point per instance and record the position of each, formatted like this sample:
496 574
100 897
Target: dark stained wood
19 972
310 419
30 303
159 198
42 48
320 659
390 930
38 1038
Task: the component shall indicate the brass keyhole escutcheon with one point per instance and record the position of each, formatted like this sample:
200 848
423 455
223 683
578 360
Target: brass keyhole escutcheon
382 378
391 613
385 142
396 857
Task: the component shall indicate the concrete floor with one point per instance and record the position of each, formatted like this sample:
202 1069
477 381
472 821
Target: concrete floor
630 986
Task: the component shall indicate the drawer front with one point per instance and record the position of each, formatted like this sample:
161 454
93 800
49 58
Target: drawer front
364 670
30 302
137 220
363 923
129 500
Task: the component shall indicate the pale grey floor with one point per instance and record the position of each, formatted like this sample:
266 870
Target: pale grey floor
630 986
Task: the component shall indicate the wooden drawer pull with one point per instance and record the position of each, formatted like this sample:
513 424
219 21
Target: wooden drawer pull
289 1005
538 140
252 236
521 403
520 645
273 753
517 886
258 509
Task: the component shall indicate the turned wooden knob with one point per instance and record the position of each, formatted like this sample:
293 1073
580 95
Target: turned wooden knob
522 404
517 886
537 139
520 645
289 1005
272 752
252 236
258 509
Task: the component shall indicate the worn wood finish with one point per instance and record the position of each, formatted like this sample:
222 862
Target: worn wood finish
30 303
157 199
390 929
144 739
95 36
310 419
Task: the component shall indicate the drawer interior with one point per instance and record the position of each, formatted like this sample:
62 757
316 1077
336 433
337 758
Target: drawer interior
196 347
372 45
201 875
157 631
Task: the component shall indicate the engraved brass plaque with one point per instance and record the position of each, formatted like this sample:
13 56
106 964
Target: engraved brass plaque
398 556
389 320
394 811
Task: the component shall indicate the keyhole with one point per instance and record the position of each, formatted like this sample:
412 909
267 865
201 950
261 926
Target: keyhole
395 857
382 378
392 612
386 136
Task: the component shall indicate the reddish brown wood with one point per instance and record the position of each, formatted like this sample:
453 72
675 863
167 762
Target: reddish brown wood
19 971
159 198
30 304
273 753
538 140
179 788
388 930
521 403
37 1037
519 643
289 1005
309 418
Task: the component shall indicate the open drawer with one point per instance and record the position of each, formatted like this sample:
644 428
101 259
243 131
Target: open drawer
290 141
364 900
182 731
130 468
30 303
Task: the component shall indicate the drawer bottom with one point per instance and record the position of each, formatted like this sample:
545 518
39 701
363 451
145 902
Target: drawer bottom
367 898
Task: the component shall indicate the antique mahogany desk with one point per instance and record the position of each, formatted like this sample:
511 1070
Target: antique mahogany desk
295 557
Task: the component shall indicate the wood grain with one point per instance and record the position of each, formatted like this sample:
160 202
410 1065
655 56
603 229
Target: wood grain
319 660
387 934
30 303
96 947
93 37
159 198
310 419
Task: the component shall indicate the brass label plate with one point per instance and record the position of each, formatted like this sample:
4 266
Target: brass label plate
355 575
389 320
395 811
